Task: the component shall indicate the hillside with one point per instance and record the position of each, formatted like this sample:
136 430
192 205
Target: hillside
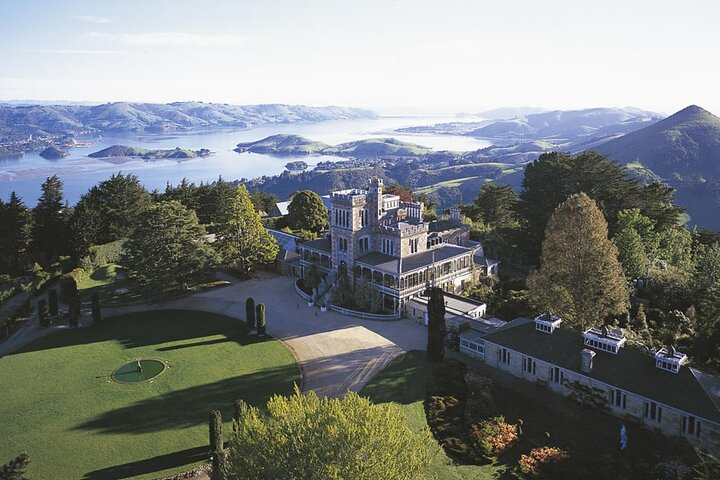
683 150
291 145
122 151
283 144
23 120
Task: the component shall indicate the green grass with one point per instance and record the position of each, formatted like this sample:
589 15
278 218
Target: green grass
57 401
404 381
102 282
456 182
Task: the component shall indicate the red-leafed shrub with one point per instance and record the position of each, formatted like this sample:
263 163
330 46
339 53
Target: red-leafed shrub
537 461
494 436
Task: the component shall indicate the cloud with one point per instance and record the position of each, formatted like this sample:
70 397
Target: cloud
168 39
91 18
68 51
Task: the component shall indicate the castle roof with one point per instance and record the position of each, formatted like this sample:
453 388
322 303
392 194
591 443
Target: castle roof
390 264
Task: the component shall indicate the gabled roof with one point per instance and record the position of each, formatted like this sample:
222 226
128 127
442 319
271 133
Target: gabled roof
285 241
322 244
630 370
280 209
388 263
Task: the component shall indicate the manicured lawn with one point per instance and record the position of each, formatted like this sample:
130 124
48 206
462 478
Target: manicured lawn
102 281
57 401
404 382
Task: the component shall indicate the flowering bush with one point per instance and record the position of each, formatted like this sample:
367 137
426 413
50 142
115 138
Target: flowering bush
533 464
494 436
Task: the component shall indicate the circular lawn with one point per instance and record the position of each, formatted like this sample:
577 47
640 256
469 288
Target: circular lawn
60 403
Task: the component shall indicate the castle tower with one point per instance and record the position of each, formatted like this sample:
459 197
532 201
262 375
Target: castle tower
375 193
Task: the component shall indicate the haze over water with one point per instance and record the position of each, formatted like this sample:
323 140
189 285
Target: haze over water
78 172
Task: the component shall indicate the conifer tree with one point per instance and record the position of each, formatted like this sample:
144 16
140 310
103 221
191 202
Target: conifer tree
50 229
307 211
580 277
631 253
436 325
15 235
168 248
217 452
242 241
260 318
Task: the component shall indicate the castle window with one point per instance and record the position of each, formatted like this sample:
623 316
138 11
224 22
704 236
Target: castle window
691 426
364 245
528 365
618 398
342 244
653 412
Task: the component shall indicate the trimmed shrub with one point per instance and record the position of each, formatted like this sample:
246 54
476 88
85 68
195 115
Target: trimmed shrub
536 463
260 313
43 313
494 436
53 302
68 286
96 311
217 452
106 253
250 313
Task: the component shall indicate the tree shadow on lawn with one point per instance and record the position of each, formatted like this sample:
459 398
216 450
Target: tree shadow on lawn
147 328
149 465
190 407
403 381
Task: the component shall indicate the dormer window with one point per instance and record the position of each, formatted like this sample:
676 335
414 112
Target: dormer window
668 359
547 322
606 339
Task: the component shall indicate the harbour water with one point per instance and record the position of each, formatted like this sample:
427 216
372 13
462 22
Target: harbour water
24 174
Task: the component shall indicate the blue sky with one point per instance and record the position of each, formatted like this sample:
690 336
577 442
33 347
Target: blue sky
394 56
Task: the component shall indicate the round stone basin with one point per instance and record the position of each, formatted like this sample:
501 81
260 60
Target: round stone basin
130 373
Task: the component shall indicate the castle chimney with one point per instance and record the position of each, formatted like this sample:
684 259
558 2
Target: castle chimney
455 214
587 356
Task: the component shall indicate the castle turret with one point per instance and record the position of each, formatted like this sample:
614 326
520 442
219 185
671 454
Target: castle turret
376 203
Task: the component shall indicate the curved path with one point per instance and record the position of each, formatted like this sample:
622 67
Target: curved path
335 353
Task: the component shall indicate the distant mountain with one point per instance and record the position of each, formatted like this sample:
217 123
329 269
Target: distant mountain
152 117
683 150
505 113
569 126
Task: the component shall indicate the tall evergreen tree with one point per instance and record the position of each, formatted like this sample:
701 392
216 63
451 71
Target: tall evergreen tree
213 201
554 176
307 211
167 249
580 277
242 241
496 205
50 230
117 204
436 325
15 235
217 451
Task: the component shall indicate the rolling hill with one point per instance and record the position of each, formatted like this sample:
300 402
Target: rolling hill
683 150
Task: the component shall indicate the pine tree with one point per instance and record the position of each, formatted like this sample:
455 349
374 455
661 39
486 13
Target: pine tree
242 241
436 325
580 277
307 211
51 226
15 235
168 248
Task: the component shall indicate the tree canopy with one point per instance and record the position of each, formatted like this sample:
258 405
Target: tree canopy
15 235
167 249
50 230
307 211
554 176
580 277
304 436
496 205
242 241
